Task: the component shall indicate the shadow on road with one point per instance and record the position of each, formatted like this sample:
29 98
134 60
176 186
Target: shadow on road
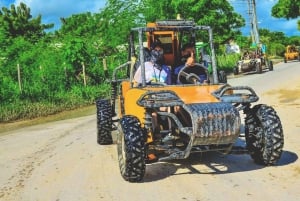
287 158
254 72
210 163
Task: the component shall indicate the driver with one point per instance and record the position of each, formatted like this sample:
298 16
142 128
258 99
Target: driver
188 59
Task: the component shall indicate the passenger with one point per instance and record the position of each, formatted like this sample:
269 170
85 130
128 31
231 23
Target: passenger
155 69
188 59
246 55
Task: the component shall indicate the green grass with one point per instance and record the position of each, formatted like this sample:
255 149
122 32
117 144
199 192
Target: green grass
26 111
79 112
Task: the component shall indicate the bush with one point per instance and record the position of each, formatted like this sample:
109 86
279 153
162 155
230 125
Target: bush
276 49
27 108
227 62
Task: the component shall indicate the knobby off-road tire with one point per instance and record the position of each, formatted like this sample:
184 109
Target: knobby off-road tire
271 66
104 122
258 68
264 135
131 149
236 70
222 77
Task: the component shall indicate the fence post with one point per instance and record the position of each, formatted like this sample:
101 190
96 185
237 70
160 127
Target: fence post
83 71
41 70
105 68
19 77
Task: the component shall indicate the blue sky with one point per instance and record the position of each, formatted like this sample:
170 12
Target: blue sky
264 18
52 10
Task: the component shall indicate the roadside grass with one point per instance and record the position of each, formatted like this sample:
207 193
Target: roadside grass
68 114
79 101
48 113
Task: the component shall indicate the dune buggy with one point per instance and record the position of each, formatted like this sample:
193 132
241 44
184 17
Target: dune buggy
160 122
253 61
291 53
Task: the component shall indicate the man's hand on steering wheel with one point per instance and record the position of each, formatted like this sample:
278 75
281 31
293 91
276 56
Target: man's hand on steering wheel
190 74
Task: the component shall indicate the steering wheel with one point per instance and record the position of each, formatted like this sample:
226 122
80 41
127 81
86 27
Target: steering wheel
190 74
157 84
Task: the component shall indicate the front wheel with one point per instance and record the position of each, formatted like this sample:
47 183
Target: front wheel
222 77
235 70
258 68
264 135
131 149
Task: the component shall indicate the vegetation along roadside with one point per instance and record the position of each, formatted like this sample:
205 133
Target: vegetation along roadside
45 72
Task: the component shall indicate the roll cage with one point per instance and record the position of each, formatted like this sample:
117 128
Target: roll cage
176 27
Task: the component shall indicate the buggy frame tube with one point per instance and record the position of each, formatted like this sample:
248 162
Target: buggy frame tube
141 30
114 84
142 59
213 57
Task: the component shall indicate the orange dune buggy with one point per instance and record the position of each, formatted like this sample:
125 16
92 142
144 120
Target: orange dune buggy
160 122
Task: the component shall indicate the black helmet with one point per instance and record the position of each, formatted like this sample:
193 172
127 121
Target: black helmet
156 43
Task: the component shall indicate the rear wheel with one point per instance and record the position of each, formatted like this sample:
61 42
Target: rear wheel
131 149
235 70
104 122
264 135
271 66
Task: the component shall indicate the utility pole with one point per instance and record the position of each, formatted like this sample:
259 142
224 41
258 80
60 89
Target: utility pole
253 22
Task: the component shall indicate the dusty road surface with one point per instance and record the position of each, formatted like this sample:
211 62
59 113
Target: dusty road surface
61 161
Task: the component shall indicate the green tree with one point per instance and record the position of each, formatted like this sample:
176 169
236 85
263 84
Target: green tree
117 18
289 9
158 10
218 14
81 39
275 41
87 27
243 41
276 36
276 49
83 24
294 40
75 54
17 21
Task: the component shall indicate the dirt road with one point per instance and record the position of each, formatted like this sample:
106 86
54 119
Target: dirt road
61 161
